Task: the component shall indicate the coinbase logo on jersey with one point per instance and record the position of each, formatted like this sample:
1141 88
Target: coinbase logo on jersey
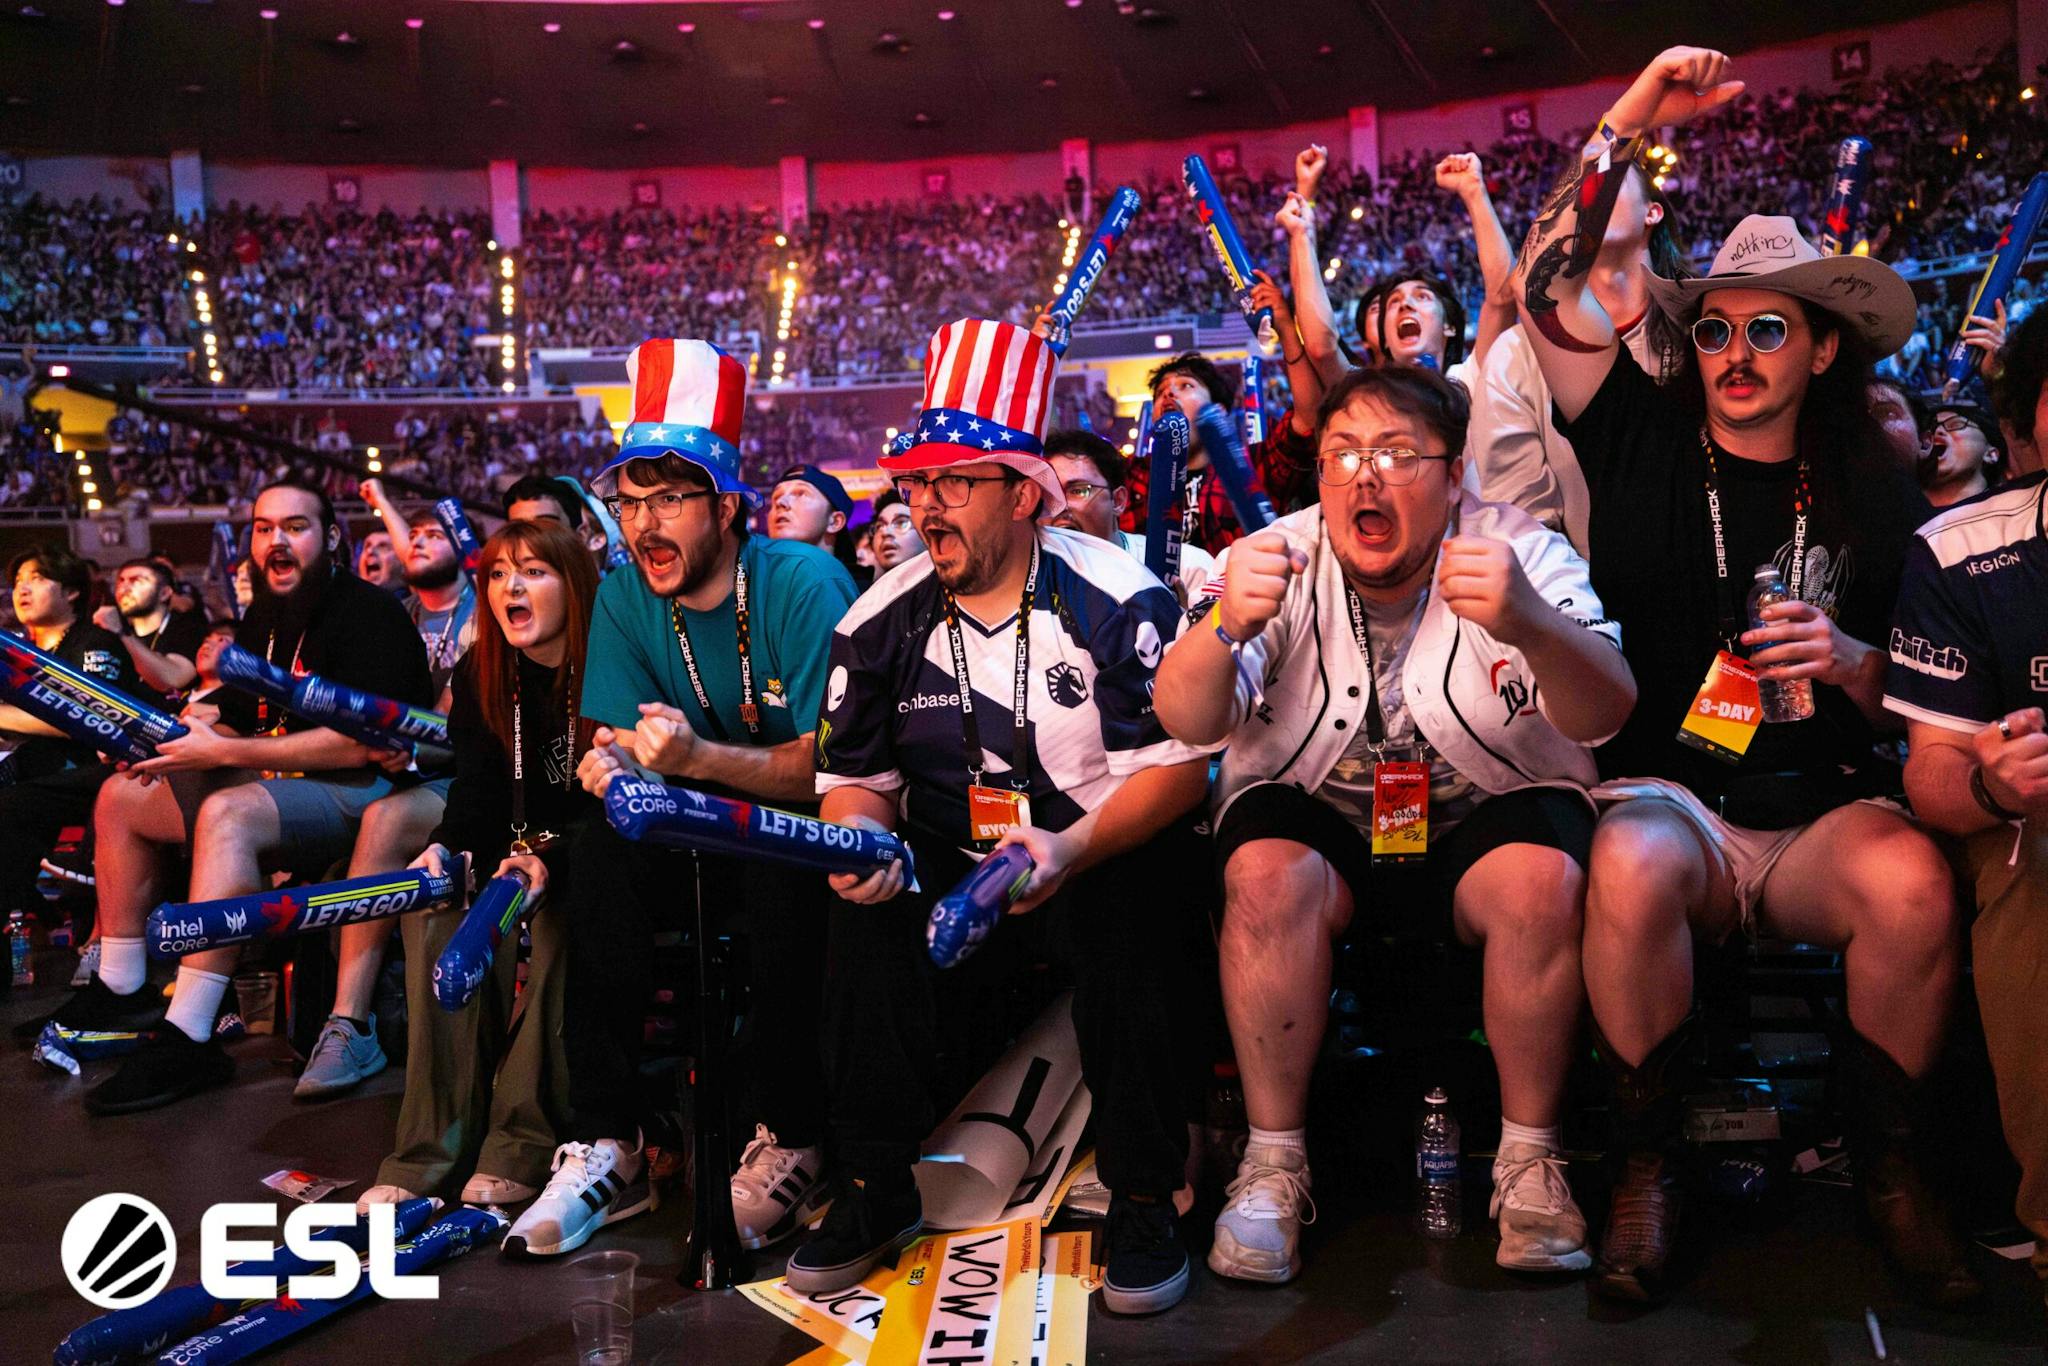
118 1251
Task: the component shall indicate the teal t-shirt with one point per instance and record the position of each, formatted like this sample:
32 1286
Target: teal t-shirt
796 594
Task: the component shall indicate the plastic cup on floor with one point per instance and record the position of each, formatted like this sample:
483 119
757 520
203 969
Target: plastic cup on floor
601 1306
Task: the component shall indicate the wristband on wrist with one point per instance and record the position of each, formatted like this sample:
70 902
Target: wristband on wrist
1216 622
1982 793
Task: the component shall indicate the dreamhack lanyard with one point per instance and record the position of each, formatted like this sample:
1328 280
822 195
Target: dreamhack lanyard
1802 507
1020 754
750 713
520 844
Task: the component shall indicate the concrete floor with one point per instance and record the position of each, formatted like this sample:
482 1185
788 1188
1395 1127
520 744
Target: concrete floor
1372 1291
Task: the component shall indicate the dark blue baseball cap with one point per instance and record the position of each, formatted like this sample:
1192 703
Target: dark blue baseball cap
834 491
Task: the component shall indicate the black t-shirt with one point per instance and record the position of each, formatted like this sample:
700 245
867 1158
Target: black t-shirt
1652 554
180 634
478 820
97 653
352 634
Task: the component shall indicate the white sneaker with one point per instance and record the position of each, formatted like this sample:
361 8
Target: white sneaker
776 1190
1541 1228
495 1190
383 1195
594 1184
1258 1234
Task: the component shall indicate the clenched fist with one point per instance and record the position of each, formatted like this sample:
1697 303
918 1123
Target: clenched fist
1462 174
1482 581
1255 582
1309 164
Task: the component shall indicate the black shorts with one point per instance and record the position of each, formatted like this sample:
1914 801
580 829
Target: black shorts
1408 898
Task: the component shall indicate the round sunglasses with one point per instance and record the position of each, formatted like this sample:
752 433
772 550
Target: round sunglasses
1766 332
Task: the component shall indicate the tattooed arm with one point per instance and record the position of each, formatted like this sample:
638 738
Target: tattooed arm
1569 331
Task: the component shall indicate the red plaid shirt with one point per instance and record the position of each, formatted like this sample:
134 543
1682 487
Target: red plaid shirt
1284 465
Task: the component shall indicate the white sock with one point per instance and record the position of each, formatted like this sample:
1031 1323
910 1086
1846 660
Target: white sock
1551 1139
196 1002
124 966
1286 1140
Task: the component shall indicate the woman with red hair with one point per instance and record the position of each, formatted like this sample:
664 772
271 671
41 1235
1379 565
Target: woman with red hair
483 1094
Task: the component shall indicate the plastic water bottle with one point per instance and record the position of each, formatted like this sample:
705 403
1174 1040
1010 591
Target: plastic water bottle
1791 701
1439 1150
20 973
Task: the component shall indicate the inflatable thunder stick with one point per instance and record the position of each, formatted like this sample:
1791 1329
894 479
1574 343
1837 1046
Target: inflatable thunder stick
1845 197
376 721
1219 438
1222 233
84 708
2006 259
463 965
263 1327
962 918
1170 440
182 1310
1254 400
468 549
1117 217
684 819
188 927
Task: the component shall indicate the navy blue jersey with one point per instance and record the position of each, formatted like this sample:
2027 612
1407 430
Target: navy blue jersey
892 719
1970 640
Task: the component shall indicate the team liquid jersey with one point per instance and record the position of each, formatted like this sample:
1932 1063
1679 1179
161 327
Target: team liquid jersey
1966 644
892 705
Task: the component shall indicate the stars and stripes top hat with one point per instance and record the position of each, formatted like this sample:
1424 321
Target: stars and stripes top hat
687 400
987 399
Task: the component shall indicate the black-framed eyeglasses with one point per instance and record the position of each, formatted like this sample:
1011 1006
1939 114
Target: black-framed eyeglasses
952 490
666 506
1393 464
1954 423
1081 492
1766 333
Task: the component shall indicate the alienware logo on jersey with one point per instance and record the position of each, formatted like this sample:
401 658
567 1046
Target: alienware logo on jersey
1148 645
1064 684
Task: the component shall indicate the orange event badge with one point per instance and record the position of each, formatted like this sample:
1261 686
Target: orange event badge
1723 718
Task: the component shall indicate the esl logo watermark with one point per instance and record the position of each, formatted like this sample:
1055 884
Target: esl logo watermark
119 1250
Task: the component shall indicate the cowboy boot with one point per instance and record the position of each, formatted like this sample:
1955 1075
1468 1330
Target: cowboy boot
1642 1219
1888 1116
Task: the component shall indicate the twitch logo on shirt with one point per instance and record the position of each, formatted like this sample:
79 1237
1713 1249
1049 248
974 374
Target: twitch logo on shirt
1923 656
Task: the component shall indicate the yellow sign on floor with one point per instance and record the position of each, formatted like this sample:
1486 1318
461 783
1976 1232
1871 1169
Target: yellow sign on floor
964 1299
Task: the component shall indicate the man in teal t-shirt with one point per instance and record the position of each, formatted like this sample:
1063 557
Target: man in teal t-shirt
706 666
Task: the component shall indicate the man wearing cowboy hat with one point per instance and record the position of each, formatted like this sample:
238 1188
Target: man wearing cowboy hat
1761 453
998 691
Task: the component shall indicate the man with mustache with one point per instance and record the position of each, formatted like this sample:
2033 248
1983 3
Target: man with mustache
1406 679
251 790
1760 452
705 665
160 640
997 692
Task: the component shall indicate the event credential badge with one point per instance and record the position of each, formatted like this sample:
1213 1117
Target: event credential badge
1723 718
1400 811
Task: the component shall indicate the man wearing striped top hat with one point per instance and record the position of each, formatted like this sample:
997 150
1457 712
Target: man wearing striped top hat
998 690
705 666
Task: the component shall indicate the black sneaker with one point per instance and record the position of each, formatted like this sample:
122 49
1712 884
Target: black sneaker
869 1225
1147 1269
167 1066
94 1009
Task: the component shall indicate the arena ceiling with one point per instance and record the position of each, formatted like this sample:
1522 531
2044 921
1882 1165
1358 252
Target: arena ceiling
588 83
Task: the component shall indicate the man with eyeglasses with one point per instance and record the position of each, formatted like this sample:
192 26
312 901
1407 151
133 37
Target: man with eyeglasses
705 666
1406 679
1092 472
1959 456
896 538
1000 692
1761 453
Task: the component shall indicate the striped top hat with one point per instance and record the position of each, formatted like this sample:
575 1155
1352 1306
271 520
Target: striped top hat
987 399
687 401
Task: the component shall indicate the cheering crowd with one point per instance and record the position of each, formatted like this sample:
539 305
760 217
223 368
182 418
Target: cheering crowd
356 302
1490 678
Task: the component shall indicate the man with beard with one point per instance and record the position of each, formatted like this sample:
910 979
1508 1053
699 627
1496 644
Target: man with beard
1406 679
55 777
896 538
1761 452
705 666
999 692
251 790
162 643
441 600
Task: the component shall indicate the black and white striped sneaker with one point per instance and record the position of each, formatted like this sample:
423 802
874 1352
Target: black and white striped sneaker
776 1190
594 1184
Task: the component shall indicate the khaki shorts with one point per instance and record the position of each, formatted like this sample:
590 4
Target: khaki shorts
1746 857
